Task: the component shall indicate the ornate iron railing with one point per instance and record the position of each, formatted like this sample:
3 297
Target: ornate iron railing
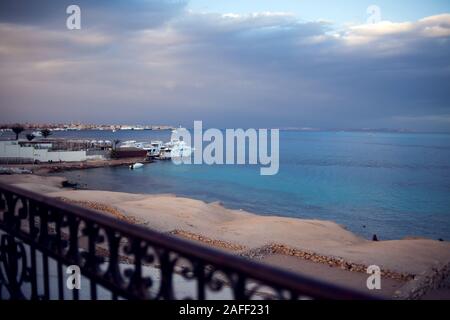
41 236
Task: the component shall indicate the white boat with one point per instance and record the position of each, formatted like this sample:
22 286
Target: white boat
180 150
37 133
143 145
175 149
135 144
155 148
165 153
137 165
128 144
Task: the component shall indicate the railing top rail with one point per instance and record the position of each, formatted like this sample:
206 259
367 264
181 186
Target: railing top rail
255 270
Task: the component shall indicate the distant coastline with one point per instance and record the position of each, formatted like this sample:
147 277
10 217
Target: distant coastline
5 127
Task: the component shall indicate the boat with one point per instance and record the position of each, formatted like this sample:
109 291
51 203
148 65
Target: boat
165 153
155 149
135 144
152 149
128 144
130 152
175 149
137 165
180 150
143 145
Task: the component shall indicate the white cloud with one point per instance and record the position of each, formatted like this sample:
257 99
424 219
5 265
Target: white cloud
434 26
255 15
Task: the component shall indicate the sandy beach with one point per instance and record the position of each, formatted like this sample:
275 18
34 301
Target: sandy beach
321 249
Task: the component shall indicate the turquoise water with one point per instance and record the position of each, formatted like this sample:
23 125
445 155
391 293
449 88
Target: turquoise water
390 184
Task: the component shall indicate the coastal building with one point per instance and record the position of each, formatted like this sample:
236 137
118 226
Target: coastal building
13 151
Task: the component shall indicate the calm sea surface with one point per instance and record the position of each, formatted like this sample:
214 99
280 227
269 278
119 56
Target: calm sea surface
391 184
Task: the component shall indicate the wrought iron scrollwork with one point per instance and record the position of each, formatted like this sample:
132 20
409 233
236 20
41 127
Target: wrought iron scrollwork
14 270
40 236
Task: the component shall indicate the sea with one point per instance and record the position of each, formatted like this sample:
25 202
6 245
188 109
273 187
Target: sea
394 185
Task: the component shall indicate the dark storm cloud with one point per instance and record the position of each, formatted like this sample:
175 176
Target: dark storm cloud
265 69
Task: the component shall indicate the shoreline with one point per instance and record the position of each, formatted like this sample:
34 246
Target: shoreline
51 169
253 253
289 243
54 167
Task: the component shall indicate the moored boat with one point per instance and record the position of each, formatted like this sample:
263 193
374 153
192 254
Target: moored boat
136 165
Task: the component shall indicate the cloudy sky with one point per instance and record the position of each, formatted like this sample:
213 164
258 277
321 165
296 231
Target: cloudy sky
247 63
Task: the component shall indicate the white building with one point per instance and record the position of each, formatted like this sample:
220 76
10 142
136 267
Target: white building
13 151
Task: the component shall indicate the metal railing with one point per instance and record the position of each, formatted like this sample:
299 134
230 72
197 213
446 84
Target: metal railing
41 236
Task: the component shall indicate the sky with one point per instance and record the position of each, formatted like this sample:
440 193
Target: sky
249 63
340 12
